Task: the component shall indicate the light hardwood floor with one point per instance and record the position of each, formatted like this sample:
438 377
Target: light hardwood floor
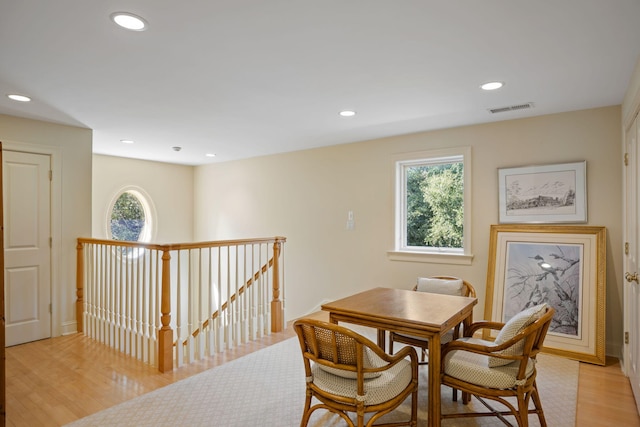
55 381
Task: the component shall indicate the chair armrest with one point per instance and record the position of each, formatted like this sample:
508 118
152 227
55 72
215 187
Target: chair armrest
487 350
492 350
392 359
402 354
482 324
466 346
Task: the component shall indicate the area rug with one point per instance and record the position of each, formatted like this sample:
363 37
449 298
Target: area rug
266 388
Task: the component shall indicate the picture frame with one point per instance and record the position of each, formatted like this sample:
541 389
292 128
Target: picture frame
555 193
562 265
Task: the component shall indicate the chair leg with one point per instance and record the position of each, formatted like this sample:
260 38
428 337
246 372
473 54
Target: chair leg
360 414
414 407
307 406
538 405
523 410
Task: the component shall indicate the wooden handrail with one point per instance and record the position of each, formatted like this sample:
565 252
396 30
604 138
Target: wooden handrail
182 246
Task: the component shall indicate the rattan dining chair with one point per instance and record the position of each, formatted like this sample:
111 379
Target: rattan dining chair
348 373
503 368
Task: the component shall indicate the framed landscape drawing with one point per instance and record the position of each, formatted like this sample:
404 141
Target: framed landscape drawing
564 266
543 194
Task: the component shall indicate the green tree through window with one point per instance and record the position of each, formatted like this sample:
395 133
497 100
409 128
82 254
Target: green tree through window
434 194
432 206
127 218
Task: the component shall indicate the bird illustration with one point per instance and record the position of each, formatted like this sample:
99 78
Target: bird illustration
535 297
570 262
546 268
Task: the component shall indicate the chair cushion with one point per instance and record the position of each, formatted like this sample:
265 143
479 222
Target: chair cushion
440 286
370 360
513 327
385 387
474 368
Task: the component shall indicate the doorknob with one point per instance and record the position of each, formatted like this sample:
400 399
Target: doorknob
631 277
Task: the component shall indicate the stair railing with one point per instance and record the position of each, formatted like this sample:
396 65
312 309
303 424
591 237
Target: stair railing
168 305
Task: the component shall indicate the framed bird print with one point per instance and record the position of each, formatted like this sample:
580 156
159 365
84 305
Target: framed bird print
563 266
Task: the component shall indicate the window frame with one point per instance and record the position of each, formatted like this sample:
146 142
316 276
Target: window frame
401 251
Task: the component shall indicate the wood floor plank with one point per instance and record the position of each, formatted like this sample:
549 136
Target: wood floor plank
605 397
56 381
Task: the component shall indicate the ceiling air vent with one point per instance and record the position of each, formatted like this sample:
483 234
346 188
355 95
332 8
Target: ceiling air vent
511 108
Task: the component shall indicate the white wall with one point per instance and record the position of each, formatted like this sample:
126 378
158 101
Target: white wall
169 186
305 196
71 148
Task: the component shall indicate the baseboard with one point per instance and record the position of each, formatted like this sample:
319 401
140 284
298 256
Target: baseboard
69 328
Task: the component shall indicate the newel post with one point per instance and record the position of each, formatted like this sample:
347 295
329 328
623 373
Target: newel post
165 334
277 315
80 286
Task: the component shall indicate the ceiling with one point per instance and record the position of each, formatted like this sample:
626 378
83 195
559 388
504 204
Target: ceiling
245 78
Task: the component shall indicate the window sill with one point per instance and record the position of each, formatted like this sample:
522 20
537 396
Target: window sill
430 257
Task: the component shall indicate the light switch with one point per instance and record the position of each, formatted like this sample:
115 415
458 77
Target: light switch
351 223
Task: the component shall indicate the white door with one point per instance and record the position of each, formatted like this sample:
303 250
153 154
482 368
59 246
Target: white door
27 256
632 252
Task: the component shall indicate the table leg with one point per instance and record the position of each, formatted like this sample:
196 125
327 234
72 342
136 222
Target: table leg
466 323
332 319
433 407
382 338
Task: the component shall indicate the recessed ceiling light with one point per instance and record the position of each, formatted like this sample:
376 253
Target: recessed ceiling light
129 21
347 113
491 85
126 141
210 154
20 98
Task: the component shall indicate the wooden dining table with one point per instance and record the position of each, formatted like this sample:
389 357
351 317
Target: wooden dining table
421 314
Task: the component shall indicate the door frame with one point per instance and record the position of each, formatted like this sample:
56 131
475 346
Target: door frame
627 121
57 293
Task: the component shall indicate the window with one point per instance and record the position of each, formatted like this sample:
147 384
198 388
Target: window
131 217
432 205
127 218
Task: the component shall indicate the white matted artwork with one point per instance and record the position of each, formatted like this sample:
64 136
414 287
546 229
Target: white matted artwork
543 194
563 266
